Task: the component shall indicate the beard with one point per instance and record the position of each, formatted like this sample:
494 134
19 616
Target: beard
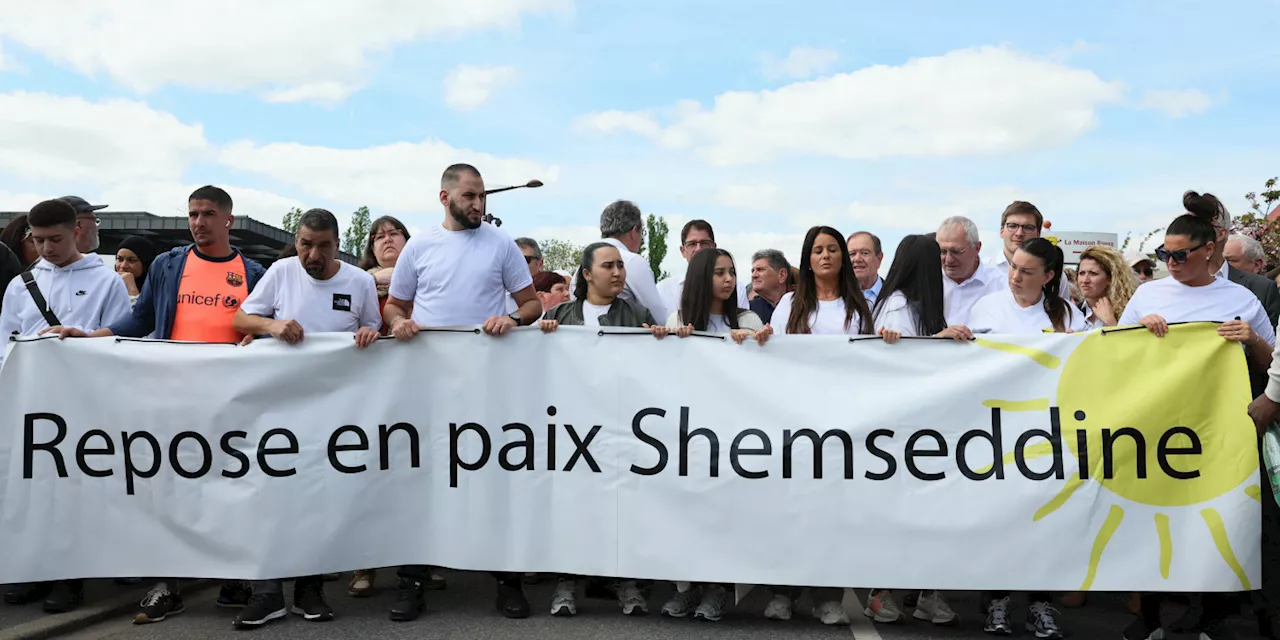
315 270
459 215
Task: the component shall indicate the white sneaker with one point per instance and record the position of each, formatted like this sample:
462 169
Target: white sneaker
779 608
831 613
932 607
882 607
681 603
631 600
564 602
714 599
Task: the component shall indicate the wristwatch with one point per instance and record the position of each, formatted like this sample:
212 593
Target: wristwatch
516 316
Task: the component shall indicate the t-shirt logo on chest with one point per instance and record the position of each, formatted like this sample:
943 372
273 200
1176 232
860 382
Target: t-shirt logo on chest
234 279
341 302
231 302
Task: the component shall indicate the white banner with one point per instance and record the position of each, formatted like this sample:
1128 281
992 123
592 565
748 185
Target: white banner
614 454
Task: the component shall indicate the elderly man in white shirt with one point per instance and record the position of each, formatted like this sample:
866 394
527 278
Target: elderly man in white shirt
965 278
622 225
694 237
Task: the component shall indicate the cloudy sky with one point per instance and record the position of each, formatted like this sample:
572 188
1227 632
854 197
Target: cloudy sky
763 117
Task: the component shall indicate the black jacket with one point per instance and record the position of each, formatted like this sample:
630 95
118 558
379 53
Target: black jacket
621 314
10 268
1269 295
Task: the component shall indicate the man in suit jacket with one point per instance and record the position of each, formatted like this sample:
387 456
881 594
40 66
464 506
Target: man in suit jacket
1263 287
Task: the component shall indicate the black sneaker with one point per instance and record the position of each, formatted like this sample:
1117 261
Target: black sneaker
67 595
410 600
511 601
234 594
28 593
158 604
308 600
1140 631
262 608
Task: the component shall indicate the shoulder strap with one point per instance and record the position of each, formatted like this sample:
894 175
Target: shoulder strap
34 289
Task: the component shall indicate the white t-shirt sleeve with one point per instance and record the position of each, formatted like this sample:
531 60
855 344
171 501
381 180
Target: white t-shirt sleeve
781 314
897 315
1260 323
370 316
982 317
640 279
262 300
1132 311
404 279
515 271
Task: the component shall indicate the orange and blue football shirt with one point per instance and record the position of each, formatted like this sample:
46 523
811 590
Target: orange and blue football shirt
209 295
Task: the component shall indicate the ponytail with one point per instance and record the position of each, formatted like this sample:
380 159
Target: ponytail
1054 304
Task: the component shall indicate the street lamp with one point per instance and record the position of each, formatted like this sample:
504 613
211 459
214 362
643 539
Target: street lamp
497 222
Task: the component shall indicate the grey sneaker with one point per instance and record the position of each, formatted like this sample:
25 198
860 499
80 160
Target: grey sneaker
714 599
682 603
564 602
631 600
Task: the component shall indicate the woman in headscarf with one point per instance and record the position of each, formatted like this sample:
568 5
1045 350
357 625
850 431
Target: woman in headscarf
133 259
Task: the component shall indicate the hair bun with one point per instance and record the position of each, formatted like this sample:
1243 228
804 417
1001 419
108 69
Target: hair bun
1205 207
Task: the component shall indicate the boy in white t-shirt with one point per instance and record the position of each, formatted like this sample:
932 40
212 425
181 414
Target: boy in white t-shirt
311 293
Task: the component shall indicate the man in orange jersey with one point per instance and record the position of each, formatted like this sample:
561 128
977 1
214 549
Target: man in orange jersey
192 293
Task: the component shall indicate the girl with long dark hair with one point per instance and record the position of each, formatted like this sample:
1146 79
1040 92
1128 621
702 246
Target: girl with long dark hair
827 299
1033 302
710 299
911 300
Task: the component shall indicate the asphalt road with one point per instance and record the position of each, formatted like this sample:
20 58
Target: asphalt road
465 611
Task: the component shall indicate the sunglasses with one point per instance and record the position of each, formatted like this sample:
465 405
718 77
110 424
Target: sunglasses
530 259
1144 270
1179 256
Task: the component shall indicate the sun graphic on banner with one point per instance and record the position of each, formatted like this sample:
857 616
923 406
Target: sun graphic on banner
1095 392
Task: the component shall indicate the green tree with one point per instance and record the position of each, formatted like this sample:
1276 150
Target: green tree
357 233
290 222
1254 223
560 255
655 228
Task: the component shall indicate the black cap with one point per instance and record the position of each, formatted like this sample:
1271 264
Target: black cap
81 205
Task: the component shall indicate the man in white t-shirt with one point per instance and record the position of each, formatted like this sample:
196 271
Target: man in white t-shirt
695 236
622 226
313 292
965 280
459 272
1022 221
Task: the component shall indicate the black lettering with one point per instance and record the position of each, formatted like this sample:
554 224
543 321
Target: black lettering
384 436
1108 451
890 465
649 440
909 456
580 448
456 462
83 451
361 445
1163 452
526 444
817 442
736 450
130 471
29 448
206 453
264 451
1054 436
551 440
686 436
1082 448
995 438
235 453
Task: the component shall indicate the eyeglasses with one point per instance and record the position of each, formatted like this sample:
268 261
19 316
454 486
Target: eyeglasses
954 253
1179 257
700 244
1013 227
95 219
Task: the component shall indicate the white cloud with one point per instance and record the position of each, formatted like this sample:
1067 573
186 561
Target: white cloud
1177 103
402 177
469 86
800 63
325 92
244 44
48 137
986 100
751 197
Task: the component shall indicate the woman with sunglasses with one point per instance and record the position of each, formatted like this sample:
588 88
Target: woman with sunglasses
1192 293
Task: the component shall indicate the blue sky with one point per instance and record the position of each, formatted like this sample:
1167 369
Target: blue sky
763 117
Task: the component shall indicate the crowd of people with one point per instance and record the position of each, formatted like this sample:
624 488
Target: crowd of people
467 272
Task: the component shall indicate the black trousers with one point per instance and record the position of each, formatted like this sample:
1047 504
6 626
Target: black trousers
422 573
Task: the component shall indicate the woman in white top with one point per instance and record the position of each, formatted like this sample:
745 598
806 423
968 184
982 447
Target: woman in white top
827 299
710 299
1032 303
1193 293
911 301
1106 283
